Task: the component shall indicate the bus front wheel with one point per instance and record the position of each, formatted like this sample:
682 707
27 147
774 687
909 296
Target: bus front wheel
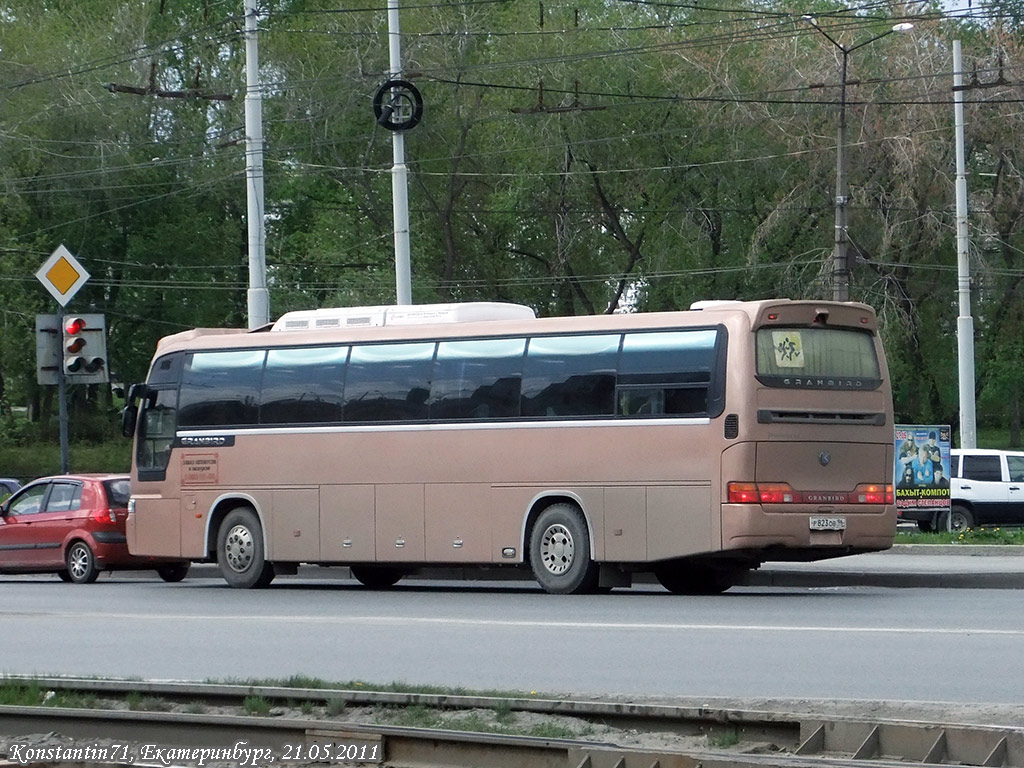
240 552
560 551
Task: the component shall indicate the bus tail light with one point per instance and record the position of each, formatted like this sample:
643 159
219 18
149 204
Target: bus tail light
867 493
783 493
761 493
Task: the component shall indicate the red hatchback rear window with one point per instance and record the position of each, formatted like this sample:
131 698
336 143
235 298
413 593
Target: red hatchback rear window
119 491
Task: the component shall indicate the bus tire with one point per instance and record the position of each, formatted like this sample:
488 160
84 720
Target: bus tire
696 580
560 551
240 552
376 576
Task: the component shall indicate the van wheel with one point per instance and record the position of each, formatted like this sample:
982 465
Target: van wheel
375 576
957 519
81 564
240 552
560 551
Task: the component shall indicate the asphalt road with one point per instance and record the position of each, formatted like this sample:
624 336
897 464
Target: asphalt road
825 641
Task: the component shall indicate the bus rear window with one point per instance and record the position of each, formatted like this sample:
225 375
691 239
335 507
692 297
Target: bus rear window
817 358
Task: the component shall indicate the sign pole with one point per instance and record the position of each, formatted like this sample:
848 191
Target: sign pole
62 276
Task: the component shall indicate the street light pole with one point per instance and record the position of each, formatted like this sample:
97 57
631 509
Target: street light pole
840 250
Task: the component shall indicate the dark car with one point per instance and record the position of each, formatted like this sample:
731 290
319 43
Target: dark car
74 526
8 485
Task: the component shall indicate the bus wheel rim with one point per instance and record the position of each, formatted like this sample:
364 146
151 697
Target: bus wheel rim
238 548
557 549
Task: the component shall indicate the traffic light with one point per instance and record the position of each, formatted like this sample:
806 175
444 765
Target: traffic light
85 349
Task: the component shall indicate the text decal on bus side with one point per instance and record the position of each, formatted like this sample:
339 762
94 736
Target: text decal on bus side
198 468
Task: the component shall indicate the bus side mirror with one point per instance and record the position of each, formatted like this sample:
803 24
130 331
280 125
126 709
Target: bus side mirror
130 414
129 417
136 392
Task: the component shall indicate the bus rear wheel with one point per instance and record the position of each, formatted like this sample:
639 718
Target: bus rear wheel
560 551
173 572
240 552
696 579
376 576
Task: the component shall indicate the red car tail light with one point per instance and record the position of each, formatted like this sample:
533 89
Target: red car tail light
104 516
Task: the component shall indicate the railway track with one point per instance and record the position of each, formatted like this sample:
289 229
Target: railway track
172 730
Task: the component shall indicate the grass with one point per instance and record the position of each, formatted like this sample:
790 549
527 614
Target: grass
724 739
256 705
30 693
20 694
416 716
336 706
314 683
970 536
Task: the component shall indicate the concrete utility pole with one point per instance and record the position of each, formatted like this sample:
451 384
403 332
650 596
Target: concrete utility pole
399 172
964 321
258 299
840 252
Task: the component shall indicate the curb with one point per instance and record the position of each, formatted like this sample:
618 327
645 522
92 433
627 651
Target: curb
904 580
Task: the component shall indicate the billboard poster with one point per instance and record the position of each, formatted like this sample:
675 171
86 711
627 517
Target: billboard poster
922 466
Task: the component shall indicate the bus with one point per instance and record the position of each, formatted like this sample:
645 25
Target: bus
694 445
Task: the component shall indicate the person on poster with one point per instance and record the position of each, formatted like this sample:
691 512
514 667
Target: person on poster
923 467
939 479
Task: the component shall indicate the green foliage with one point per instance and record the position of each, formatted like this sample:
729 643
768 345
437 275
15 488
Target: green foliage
578 158
17 694
30 460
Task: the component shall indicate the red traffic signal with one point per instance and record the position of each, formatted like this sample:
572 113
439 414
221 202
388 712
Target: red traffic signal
75 325
84 346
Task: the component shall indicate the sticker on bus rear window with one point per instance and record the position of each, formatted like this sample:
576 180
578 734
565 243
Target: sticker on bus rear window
789 351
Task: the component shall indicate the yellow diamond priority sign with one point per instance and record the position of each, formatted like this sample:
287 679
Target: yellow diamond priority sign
62 275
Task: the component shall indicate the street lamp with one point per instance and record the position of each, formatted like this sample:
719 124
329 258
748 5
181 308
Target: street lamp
840 255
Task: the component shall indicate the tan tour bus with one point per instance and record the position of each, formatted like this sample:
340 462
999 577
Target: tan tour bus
692 445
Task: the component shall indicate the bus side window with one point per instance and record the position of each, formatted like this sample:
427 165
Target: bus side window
476 379
570 375
641 402
686 401
666 373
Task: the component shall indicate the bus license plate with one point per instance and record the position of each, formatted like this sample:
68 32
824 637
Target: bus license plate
828 523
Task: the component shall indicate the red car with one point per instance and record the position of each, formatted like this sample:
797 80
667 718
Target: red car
73 525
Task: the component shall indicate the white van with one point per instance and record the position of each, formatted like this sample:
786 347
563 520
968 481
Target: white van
986 489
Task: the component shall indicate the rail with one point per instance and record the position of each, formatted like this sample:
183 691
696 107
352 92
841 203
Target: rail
733 737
